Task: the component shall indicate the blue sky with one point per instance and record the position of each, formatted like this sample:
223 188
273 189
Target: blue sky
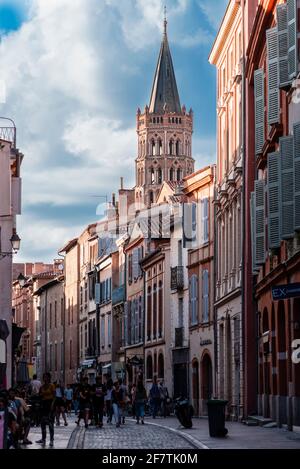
74 74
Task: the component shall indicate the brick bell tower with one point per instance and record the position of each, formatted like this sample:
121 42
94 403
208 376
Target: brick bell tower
164 133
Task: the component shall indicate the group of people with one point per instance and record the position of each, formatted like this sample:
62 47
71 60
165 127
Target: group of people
44 403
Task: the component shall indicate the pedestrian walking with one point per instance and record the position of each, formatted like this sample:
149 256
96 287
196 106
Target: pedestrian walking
116 397
164 397
47 394
154 397
123 399
68 393
60 405
140 398
108 401
84 402
132 394
98 393
76 396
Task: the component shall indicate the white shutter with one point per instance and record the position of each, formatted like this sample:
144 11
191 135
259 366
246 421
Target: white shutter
287 186
253 237
292 38
259 110
273 82
297 176
205 294
282 38
274 229
259 222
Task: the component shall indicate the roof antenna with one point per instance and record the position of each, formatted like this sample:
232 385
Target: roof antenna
165 20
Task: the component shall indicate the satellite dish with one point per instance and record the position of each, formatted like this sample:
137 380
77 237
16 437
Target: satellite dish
60 267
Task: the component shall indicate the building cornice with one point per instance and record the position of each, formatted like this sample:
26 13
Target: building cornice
223 33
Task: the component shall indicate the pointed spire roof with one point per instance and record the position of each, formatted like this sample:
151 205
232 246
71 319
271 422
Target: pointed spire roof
164 91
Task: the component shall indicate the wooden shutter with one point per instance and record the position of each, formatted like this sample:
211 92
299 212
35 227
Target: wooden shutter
125 323
135 265
292 38
273 82
282 39
205 295
97 293
137 320
132 334
274 228
259 110
253 237
260 222
286 145
297 176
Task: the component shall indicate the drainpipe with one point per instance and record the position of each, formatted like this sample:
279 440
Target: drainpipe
243 217
214 296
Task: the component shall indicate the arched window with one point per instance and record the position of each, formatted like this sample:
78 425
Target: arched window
171 147
152 148
149 312
142 177
152 176
178 174
151 197
154 311
176 120
177 147
160 309
159 176
149 366
171 174
161 366
160 147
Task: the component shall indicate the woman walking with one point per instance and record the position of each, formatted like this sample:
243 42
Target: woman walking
116 399
139 399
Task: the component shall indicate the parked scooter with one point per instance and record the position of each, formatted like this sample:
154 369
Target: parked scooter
184 412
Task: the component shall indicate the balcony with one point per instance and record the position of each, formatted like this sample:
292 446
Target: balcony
179 332
177 280
118 295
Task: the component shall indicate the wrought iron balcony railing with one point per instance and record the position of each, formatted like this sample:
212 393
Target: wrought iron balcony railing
177 279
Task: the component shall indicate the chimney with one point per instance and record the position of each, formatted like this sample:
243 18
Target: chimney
114 199
122 183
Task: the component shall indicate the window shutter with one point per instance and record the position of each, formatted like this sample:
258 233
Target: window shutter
205 220
292 38
132 322
196 289
125 341
282 38
286 145
273 82
97 294
130 268
205 293
297 175
259 222
190 298
274 228
259 110
137 322
253 237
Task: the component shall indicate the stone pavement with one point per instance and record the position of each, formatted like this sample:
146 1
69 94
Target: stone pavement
239 436
62 436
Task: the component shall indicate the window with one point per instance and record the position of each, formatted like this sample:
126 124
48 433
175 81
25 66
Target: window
193 294
161 367
152 175
171 147
152 148
109 329
160 309
102 331
140 318
132 323
178 174
154 312
177 147
149 367
55 315
136 321
159 176
160 147
204 206
129 268
71 355
55 356
171 174
50 315
149 313
205 296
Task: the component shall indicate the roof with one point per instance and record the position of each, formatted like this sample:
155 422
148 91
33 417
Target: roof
69 245
164 95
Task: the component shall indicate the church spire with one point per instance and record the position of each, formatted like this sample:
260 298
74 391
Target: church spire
164 91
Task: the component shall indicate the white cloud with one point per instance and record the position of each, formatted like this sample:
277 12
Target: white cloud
213 10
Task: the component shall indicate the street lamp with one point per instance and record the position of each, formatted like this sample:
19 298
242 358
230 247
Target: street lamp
22 280
15 244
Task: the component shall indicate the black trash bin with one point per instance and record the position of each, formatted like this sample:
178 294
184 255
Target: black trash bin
216 417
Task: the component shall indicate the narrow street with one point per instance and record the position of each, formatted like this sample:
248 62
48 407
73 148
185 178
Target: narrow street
166 434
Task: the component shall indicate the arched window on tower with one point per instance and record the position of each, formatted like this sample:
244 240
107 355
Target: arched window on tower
179 174
151 197
159 176
177 147
152 175
171 147
171 174
160 147
152 148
